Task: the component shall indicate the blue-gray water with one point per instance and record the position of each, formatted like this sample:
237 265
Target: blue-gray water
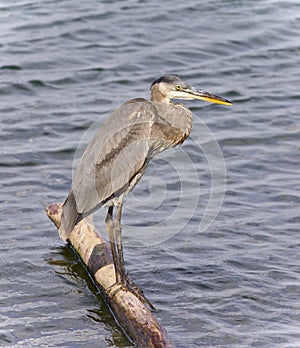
234 282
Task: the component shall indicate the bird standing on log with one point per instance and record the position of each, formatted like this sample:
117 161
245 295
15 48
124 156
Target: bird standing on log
119 153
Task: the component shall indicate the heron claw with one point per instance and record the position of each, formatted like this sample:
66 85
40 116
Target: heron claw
138 292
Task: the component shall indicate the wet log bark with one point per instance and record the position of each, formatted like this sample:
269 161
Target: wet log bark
136 320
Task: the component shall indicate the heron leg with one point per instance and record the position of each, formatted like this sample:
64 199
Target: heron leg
110 228
114 231
118 235
125 279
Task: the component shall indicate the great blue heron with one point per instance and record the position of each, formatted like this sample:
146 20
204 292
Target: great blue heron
119 153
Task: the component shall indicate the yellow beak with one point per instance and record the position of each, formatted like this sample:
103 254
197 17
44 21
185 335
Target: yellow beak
197 94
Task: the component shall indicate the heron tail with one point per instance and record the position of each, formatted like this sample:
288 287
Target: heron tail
69 218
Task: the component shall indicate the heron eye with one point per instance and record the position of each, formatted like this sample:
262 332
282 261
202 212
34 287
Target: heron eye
177 88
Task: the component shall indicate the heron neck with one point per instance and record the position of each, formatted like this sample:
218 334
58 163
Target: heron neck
158 96
176 115
161 99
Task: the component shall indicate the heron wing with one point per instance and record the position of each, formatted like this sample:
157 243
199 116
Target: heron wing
118 152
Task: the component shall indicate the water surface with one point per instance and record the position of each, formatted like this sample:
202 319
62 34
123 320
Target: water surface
226 281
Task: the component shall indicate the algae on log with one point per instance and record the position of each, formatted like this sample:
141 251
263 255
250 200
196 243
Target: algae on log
131 313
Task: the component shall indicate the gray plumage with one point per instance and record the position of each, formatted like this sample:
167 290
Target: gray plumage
119 153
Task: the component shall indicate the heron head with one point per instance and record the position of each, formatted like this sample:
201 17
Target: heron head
173 87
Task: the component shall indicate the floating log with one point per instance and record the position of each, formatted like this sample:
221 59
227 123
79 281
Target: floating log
136 320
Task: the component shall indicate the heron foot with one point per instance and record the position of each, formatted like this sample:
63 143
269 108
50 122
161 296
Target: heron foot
138 292
127 284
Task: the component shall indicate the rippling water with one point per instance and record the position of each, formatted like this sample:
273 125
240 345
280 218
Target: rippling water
230 281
